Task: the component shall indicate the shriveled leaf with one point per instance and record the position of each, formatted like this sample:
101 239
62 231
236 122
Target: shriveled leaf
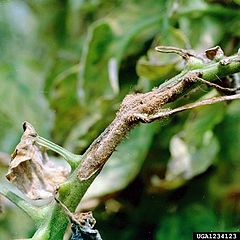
214 53
82 224
83 227
85 231
31 170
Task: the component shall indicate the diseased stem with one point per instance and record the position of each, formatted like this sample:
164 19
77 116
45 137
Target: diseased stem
148 104
71 192
168 112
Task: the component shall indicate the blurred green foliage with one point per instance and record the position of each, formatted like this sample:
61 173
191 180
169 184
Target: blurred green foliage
66 65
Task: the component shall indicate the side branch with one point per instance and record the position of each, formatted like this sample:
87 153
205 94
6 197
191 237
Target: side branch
167 112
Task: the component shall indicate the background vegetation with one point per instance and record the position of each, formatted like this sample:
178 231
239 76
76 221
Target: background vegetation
66 65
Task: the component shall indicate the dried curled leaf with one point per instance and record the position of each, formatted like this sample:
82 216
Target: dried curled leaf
82 224
214 53
31 170
83 227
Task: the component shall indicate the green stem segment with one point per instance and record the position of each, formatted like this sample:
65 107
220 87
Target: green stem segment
71 158
38 214
70 193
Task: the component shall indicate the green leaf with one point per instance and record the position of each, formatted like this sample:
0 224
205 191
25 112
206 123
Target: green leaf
83 132
181 224
228 133
63 99
15 224
21 98
208 34
237 2
161 66
96 53
21 93
108 42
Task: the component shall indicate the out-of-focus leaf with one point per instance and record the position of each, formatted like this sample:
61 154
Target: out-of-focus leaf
124 164
237 1
188 160
21 77
31 170
64 101
79 136
202 120
14 16
110 40
224 185
182 223
96 53
223 189
21 99
228 133
156 65
90 125
208 34
15 224
191 5
107 42
4 159
194 149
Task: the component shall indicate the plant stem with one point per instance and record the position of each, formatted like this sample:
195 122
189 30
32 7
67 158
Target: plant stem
38 214
72 191
71 158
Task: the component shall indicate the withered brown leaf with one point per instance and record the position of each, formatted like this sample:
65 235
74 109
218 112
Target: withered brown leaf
214 53
31 170
82 224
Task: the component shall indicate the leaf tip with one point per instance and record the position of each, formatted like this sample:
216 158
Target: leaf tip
29 129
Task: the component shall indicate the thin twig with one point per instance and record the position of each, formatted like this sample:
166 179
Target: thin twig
167 112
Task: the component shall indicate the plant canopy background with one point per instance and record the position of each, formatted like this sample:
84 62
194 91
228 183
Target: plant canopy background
65 66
